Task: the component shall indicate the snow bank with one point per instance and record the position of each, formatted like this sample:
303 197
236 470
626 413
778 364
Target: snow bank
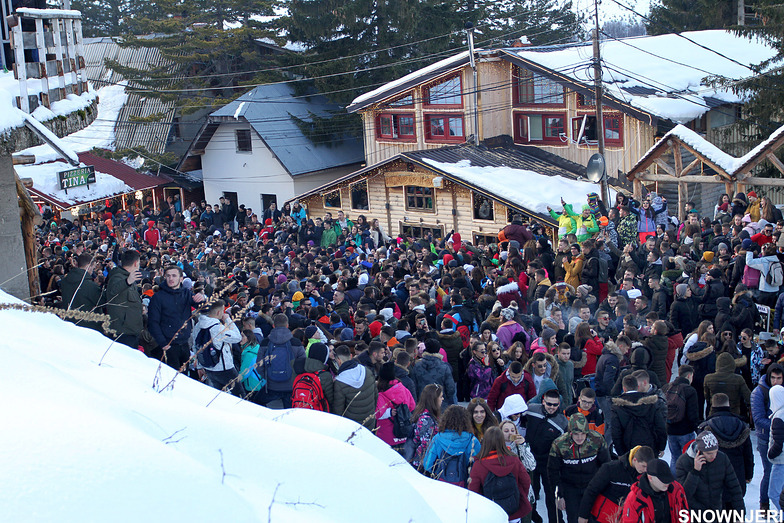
45 179
516 184
88 437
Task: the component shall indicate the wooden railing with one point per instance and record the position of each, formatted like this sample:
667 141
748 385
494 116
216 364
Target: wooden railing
49 60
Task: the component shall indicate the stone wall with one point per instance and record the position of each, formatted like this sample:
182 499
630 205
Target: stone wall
21 138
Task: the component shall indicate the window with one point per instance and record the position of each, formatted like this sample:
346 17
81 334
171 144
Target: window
445 93
586 100
444 127
483 207
332 199
548 127
244 142
421 231
419 198
396 127
612 130
484 239
532 89
359 196
406 101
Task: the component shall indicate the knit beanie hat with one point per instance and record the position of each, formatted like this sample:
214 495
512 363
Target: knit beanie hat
706 441
375 328
432 346
508 314
310 331
681 289
319 352
547 333
387 372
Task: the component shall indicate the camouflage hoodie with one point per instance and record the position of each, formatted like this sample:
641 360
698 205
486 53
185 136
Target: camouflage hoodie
572 464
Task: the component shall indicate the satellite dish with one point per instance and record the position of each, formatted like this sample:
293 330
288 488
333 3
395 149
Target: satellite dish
595 168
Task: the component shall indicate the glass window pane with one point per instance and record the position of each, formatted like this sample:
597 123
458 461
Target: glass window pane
554 127
445 93
406 124
436 126
386 125
455 127
535 127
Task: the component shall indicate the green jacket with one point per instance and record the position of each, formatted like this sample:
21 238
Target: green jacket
80 292
252 381
123 303
328 237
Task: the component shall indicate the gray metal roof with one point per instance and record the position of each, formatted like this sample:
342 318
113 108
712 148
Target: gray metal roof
270 110
151 136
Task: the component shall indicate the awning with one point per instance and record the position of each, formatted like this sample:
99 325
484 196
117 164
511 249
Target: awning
113 178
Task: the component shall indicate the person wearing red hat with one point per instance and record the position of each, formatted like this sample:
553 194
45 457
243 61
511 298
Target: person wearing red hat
152 235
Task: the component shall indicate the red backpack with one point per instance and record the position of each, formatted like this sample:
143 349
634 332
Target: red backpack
308 394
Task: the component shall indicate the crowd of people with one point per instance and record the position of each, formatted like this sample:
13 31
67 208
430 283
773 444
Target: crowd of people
555 367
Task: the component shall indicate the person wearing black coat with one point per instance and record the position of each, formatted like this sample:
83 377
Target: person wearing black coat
637 419
80 292
680 432
401 374
723 315
657 344
640 360
683 312
734 441
614 479
714 289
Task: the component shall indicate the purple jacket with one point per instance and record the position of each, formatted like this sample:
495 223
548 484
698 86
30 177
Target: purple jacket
481 377
506 332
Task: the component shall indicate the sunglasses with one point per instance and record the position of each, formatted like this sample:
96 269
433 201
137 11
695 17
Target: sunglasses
549 404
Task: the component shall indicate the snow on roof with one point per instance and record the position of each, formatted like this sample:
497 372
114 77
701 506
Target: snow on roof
664 73
48 13
99 134
115 444
729 163
515 185
46 181
391 86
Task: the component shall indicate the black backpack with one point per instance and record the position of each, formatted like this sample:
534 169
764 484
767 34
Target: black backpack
503 490
676 403
210 355
401 422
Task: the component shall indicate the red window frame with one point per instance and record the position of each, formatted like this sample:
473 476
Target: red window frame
426 93
522 134
394 132
519 75
616 119
444 137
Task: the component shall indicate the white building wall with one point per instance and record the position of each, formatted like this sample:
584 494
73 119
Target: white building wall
249 174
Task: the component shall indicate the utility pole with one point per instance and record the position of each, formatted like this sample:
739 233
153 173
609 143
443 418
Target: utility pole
470 30
741 12
597 82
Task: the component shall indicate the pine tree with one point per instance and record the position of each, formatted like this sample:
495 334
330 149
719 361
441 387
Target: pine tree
675 16
542 22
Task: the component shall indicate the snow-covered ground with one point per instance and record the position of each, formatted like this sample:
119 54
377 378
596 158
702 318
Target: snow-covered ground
90 432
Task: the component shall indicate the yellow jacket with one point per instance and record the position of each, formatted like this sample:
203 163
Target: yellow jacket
573 270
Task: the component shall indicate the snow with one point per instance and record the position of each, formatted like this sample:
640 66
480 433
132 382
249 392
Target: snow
667 63
49 13
729 163
391 86
45 180
91 433
52 138
515 185
99 134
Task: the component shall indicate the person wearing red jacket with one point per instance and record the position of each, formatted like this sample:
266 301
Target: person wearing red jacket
514 381
495 457
655 493
152 235
587 341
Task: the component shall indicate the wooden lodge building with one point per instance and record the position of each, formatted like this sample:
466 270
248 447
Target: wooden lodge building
532 111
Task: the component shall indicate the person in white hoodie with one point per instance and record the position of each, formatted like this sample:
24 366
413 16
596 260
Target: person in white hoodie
223 333
512 410
768 292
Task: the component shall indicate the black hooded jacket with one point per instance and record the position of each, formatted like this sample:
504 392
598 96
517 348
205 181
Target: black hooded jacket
733 435
640 360
638 419
613 480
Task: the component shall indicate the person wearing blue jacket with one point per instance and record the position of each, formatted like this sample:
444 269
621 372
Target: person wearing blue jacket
169 314
760 413
454 438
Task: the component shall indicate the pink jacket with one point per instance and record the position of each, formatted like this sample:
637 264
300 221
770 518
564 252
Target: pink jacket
396 394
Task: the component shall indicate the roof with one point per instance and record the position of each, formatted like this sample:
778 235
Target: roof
505 174
661 75
152 136
648 77
727 163
408 81
112 178
271 109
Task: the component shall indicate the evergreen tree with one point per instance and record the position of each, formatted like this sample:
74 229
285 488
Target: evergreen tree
542 22
676 16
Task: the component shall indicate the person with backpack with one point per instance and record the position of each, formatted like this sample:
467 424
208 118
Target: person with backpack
251 379
214 335
356 393
453 449
725 380
760 411
683 412
500 476
425 420
607 370
574 459
278 352
313 387
393 407
772 277
637 419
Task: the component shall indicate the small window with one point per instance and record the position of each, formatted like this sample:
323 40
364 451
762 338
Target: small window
444 127
244 142
484 239
359 196
586 100
419 198
406 101
613 134
532 89
483 207
445 93
396 127
332 199
548 127
421 231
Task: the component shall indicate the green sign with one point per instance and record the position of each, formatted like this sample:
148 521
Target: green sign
77 177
